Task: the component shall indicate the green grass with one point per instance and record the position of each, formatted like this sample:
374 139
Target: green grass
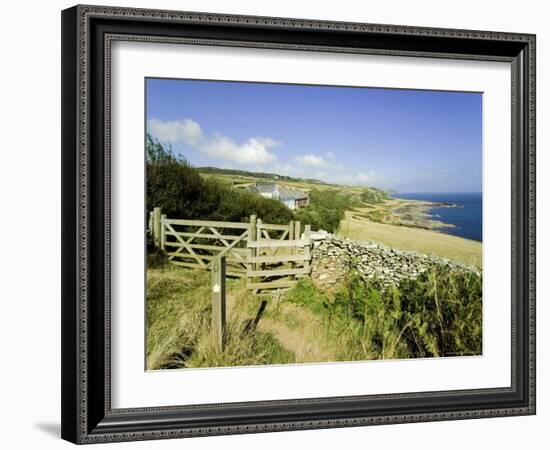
377 215
327 207
439 314
179 324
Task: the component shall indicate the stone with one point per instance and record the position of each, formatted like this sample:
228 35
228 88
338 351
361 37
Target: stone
333 257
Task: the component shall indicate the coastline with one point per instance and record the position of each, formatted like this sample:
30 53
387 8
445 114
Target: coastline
407 225
416 213
406 212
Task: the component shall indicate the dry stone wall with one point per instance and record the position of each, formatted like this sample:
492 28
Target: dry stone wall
334 257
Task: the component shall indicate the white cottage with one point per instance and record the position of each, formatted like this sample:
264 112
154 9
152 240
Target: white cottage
292 198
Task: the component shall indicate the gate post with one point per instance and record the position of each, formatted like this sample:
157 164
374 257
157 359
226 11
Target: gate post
162 231
150 223
297 229
253 251
307 247
291 238
218 301
259 229
157 213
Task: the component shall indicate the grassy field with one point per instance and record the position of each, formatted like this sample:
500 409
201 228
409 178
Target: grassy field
409 238
243 181
179 324
397 223
437 315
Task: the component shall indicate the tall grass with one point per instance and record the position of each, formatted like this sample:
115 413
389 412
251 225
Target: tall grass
438 314
179 330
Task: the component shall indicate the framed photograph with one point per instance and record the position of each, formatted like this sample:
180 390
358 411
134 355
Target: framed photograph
278 224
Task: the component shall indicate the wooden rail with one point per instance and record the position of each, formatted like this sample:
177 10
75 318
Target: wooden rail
269 256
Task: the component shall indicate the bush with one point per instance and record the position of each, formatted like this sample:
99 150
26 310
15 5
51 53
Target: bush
444 310
326 208
182 192
373 195
438 314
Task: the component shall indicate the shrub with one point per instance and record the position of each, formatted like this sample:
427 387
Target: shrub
373 195
326 208
444 309
438 314
181 192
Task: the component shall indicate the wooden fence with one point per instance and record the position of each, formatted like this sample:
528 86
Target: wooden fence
269 256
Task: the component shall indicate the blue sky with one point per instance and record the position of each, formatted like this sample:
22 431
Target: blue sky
406 140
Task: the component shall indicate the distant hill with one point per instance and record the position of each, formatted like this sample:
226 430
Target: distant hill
245 173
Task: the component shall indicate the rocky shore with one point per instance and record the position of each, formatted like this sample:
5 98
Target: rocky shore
416 213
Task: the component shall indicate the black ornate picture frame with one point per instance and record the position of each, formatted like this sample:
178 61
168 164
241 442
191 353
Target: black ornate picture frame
87 34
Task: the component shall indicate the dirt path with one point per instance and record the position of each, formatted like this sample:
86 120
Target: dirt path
296 329
301 338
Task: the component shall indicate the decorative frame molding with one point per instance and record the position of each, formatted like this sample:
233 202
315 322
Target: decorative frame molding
87 34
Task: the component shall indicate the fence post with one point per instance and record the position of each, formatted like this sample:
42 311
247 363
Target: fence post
291 238
157 213
162 231
218 301
297 229
150 223
253 250
307 248
259 230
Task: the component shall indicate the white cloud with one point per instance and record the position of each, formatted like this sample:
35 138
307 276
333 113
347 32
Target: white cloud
174 131
370 178
313 161
256 153
254 150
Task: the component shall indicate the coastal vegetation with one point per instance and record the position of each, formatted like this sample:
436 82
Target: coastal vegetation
184 192
327 207
179 315
181 191
438 314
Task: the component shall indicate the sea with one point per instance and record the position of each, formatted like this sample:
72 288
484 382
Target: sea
467 217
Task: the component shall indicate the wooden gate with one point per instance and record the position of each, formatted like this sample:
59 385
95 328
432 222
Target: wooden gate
269 256
278 263
195 244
